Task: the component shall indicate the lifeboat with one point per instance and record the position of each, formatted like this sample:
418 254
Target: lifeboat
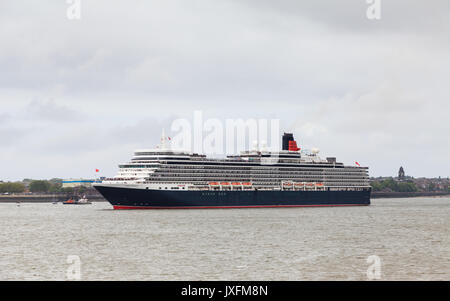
310 184
213 183
236 184
247 184
319 184
287 184
225 183
299 184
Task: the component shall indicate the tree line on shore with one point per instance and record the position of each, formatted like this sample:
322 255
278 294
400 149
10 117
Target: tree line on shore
411 185
392 185
38 186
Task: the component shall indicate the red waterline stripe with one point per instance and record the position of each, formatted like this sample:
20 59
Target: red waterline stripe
230 207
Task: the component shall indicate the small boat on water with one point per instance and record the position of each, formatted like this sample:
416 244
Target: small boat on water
80 201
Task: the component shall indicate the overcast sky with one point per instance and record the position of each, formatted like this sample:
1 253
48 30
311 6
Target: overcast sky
77 95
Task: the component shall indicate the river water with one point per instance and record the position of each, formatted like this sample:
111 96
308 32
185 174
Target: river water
410 237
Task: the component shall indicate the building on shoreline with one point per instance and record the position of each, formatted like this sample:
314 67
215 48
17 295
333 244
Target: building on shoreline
405 183
72 183
401 174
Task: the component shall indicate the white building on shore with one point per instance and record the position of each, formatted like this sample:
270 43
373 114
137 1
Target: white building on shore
71 183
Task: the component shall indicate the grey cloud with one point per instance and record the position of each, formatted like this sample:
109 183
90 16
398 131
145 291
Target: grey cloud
4 117
397 16
10 136
341 82
87 137
49 110
249 48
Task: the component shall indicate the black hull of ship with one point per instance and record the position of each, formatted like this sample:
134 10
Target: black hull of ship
130 198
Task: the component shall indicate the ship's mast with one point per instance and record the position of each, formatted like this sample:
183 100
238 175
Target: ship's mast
164 145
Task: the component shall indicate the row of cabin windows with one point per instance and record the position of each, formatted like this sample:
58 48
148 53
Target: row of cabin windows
176 188
259 173
166 167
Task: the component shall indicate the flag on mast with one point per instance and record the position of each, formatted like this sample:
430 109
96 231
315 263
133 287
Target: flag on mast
357 163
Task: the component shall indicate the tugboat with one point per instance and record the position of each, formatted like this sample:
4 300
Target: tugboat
80 201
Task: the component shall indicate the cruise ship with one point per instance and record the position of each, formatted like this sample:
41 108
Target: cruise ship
163 178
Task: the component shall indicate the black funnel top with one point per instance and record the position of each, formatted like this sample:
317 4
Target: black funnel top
286 138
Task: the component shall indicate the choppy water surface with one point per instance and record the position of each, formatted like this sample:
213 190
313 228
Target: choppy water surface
410 236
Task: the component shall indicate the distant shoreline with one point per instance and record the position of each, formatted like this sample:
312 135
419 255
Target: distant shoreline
49 198
386 195
42 198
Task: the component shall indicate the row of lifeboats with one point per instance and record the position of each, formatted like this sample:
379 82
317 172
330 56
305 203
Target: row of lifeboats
230 184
